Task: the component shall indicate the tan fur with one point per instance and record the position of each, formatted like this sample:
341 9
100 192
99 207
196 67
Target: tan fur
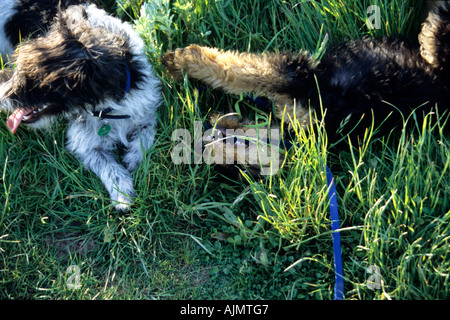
427 38
238 73
247 149
228 121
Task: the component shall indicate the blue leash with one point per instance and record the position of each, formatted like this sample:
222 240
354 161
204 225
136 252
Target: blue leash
334 215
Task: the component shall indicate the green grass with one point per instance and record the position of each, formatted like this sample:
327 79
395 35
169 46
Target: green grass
194 235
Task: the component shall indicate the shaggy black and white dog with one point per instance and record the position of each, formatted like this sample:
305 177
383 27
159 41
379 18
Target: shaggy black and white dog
72 60
358 83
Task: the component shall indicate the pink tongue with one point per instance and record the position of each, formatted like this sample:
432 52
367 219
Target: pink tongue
15 119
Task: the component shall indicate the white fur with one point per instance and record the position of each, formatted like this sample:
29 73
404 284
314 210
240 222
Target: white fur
95 151
141 104
6 11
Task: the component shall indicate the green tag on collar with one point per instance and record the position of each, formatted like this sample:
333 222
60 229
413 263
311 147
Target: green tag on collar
104 130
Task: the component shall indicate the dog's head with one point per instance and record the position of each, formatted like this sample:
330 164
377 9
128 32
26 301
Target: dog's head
73 67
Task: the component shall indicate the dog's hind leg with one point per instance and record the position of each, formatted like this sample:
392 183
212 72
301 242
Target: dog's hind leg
273 75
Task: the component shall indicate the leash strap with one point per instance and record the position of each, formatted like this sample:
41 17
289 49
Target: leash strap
334 215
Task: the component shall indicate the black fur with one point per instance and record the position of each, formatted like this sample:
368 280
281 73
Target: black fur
68 70
356 84
33 18
387 77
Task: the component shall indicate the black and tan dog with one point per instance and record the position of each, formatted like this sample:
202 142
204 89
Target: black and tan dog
358 83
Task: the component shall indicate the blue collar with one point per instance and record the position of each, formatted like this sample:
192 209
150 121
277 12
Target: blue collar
128 71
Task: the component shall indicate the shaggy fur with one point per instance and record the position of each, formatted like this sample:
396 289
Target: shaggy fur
361 82
77 62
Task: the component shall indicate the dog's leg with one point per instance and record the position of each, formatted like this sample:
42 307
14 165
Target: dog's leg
116 178
139 141
270 74
96 155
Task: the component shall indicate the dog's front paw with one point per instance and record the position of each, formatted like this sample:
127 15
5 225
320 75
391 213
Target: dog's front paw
169 61
123 207
190 60
123 203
